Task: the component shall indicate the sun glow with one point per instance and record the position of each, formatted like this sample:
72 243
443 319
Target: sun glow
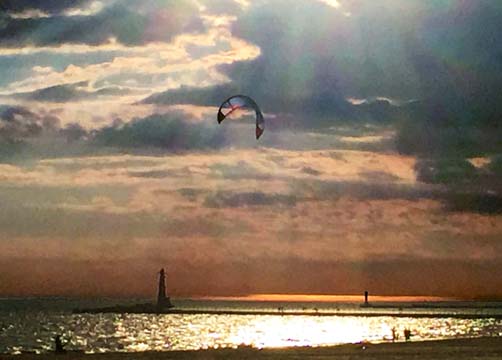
327 298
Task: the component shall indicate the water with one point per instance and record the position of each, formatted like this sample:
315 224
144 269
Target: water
30 325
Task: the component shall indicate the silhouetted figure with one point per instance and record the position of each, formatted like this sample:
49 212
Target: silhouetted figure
394 334
407 334
163 300
58 346
366 298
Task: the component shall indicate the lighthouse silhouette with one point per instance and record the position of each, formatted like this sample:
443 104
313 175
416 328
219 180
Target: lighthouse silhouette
163 301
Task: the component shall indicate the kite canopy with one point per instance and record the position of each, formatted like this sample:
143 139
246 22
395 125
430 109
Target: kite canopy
242 102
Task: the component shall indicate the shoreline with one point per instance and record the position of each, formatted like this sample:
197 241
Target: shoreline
483 348
399 312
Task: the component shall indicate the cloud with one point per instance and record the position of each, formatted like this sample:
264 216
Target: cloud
219 7
496 165
25 134
310 171
196 210
445 170
482 203
48 6
315 175
117 75
151 174
442 78
71 92
192 95
46 10
322 203
168 132
297 72
89 9
241 170
379 176
191 193
226 199
439 128
17 122
128 22
459 78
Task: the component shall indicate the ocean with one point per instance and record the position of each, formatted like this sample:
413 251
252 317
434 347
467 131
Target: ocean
30 325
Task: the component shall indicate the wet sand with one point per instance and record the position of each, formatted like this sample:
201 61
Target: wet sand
459 349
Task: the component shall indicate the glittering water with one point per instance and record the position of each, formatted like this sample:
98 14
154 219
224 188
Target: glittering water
25 328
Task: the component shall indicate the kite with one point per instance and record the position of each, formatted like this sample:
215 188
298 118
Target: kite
242 102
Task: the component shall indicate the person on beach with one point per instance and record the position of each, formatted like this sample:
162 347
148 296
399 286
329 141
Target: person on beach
59 347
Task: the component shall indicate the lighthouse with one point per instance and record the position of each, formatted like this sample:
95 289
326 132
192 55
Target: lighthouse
163 301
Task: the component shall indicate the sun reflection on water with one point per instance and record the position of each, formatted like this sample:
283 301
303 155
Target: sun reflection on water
140 332
274 331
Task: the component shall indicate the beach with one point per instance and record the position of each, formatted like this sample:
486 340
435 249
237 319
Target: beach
30 327
488 348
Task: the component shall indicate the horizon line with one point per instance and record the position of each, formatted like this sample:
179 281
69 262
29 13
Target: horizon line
327 298
263 297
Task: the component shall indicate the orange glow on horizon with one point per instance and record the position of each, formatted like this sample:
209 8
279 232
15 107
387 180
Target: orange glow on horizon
324 298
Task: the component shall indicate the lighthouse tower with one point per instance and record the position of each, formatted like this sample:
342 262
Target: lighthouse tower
163 301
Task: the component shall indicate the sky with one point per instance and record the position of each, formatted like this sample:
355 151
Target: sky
380 167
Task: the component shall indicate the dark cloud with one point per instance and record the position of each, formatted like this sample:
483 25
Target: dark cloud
496 166
311 70
469 188
483 203
445 171
313 113
310 171
229 199
58 93
151 174
17 123
454 198
438 128
70 92
26 134
457 60
166 132
47 6
191 194
443 56
129 22
73 132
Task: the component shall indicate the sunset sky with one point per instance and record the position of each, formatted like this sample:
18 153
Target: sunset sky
380 167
